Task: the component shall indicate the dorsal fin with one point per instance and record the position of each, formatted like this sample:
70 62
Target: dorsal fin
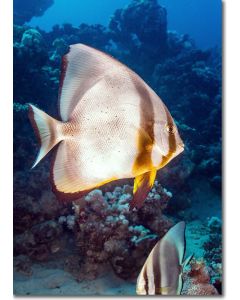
82 68
176 236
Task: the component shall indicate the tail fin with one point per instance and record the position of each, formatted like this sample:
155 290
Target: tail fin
45 128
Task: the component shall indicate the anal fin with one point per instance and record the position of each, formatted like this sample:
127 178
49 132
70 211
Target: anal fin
142 186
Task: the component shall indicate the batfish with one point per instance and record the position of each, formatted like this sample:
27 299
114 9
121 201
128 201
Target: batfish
112 126
162 271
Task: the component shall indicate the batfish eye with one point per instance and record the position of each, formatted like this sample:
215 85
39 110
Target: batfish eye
170 128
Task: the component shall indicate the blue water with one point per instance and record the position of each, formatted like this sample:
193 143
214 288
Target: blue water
199 18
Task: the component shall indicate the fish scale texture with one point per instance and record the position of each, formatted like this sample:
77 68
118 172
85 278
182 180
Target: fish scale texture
106 105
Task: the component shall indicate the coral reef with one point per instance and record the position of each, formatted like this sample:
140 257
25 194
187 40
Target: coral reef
103 227
40 241
197 281
139 26
32 71
36 233
213 246
107 231
24 10
35 208
213 251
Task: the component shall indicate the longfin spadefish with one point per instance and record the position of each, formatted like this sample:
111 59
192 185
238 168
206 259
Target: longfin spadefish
142 186
45 128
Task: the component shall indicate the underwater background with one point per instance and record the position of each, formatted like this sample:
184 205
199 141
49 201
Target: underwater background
99 249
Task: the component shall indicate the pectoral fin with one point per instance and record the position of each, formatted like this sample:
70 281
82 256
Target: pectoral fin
142 186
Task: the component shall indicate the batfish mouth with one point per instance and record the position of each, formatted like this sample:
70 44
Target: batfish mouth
180 147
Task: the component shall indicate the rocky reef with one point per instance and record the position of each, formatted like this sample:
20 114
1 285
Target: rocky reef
99 229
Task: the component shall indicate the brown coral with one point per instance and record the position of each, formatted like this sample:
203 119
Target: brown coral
108 232
197 281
